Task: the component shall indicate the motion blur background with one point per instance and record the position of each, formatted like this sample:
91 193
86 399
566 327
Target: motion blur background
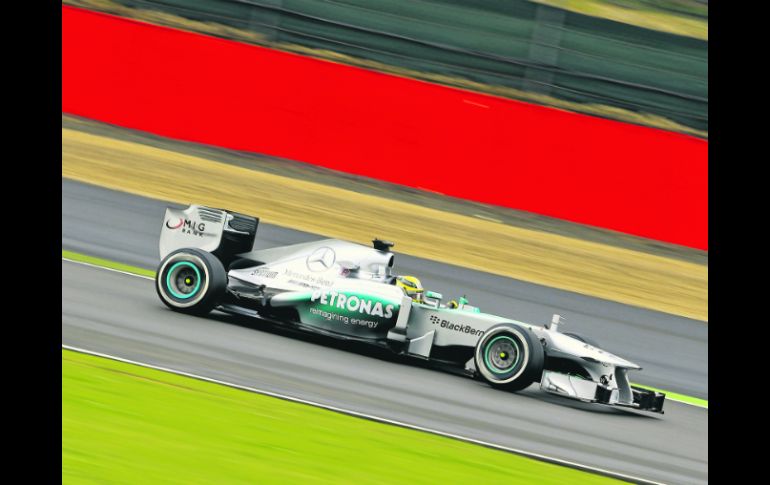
644 61
546 156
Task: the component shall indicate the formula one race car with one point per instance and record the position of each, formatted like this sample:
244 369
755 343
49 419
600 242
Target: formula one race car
347 290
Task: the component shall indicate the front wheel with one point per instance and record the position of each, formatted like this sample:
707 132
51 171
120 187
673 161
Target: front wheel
191 281
509 357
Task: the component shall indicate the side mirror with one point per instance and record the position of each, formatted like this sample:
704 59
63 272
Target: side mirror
433 295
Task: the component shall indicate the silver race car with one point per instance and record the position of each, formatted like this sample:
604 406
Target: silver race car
348 291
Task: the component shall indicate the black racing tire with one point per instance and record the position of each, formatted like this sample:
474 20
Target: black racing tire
583 339
191 281
509 357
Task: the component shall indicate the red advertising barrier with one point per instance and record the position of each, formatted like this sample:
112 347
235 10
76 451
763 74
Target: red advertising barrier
628 178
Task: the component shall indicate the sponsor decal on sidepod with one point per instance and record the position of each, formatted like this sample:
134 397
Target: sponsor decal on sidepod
353 303
457 327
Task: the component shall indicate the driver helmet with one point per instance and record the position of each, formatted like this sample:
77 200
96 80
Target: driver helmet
411 286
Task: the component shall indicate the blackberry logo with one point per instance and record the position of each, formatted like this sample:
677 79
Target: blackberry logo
457 327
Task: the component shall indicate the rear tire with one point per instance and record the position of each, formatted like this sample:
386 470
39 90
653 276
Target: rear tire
509 357
191 281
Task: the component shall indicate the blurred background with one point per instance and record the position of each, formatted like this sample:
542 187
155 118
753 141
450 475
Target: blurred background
642 61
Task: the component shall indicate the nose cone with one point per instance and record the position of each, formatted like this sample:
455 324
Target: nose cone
566 344
594 354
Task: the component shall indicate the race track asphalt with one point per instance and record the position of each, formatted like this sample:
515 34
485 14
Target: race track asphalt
121 315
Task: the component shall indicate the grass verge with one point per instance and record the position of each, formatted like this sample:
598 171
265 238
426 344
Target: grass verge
689 19
586 267
123 423
371 186
672 396
106 263
71 255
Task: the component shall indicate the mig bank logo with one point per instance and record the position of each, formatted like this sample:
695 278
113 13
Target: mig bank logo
174 225
187 226
321 259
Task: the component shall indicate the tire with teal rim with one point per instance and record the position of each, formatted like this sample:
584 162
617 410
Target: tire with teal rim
191 280
509 357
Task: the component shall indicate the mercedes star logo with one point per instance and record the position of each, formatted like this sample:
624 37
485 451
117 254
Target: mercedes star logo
321 259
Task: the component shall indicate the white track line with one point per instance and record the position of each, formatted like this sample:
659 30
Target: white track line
106 268
357 414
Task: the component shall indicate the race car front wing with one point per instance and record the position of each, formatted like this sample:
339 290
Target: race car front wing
582 389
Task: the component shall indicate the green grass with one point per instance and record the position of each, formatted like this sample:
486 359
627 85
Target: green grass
683 17
106 263
670 396
123 423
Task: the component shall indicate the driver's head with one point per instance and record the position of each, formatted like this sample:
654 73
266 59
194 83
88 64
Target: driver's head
411 286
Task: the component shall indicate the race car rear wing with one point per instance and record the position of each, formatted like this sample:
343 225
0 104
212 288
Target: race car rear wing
222 233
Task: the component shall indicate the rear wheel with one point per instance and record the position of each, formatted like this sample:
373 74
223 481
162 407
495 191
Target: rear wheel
191 281
509 357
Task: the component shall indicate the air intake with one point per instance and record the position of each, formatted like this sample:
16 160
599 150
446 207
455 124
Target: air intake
210 215
381 245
